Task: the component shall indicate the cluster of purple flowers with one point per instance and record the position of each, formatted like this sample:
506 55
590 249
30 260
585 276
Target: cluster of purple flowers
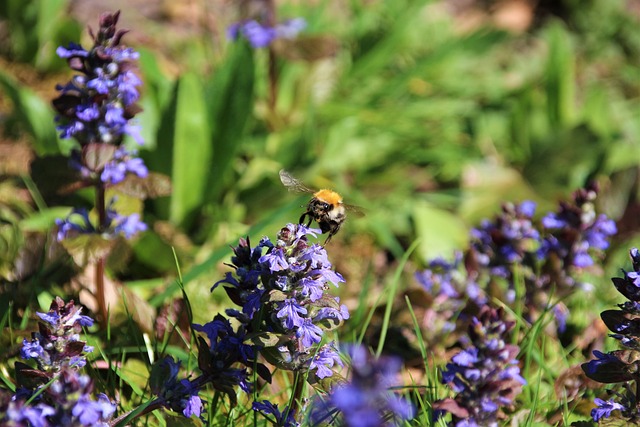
498 245
114 171
57 343
485 375
177 395
366 400
66 401
260 35
547 256
287 286
55 393
575 233
451 289
219 359
621 366
281 289
96 108
78 222
97 104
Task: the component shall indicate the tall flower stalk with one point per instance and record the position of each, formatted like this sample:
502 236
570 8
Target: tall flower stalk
366 400
484 375
260 31
285 309
55 392
96 108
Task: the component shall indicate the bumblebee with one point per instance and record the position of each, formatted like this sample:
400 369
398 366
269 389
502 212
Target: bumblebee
325 207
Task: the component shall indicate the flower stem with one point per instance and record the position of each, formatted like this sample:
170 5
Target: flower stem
100 263
298 388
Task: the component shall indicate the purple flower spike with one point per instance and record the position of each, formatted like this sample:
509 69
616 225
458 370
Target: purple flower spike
365 400
485 375
260 35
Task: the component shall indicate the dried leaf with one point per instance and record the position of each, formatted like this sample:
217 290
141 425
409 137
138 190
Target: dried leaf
95 156
152 186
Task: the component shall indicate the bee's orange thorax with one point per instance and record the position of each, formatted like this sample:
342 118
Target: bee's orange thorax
329 196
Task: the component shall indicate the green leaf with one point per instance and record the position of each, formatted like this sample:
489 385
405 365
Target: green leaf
440 232
560 77
188 148
275 296
87 248
49 23
264 339
230 102
134 373
34 114
43 220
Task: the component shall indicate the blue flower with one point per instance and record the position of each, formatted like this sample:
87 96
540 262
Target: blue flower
282 419
74 49
284 288
177 395
365 400
116 170
129 225
275 260
311 288
90 412
27 415
575 232
260 35
57 344
324 360
604 408
97 105
192 406
31 350
308 333
70 226
291 310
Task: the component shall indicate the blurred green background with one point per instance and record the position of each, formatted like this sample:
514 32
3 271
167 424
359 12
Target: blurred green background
428 114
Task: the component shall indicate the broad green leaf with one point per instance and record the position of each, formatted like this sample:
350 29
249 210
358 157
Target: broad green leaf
158 93
560 77
184 148
230 103
440 232
48 23
35 115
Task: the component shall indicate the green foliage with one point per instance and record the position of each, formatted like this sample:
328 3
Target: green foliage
33 114
36 28
427 124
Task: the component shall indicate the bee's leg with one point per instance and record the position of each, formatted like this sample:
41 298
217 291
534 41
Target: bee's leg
328 238
301 220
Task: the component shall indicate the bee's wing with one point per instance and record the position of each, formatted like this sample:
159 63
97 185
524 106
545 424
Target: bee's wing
292 183
355 210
